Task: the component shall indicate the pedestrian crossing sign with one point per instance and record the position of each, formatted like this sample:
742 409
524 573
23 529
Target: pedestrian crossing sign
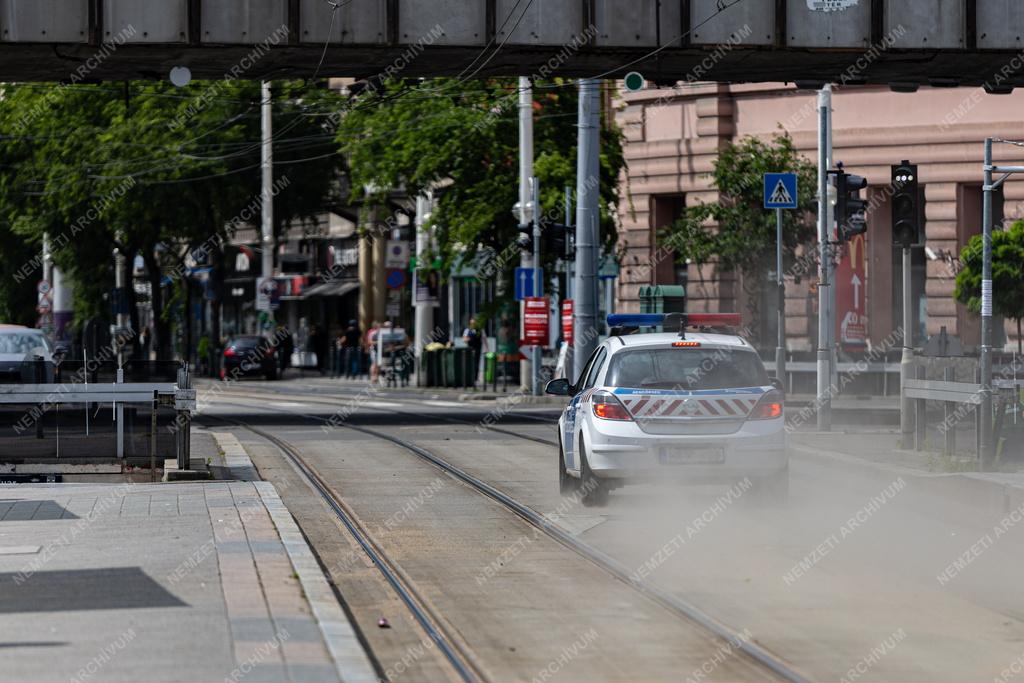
780 191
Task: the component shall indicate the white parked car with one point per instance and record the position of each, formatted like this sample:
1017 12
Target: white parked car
695 408
19 346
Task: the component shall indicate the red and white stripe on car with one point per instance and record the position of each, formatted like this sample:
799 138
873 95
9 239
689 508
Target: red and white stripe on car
672 405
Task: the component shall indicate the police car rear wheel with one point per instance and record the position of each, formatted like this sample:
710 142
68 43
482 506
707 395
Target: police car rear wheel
567 484
593 491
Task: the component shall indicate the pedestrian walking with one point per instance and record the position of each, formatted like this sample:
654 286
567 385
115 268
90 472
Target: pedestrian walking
351 340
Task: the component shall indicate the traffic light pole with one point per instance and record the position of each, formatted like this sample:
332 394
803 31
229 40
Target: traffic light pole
986 445
525 173
587 216
907 358
266 191
537 279
824 360
780 350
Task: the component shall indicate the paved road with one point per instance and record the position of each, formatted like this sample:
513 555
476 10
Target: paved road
844 579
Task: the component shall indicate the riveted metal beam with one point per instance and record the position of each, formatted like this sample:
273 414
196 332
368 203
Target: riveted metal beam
195 22
391 19
877 21
971 25
684 24
95 22
294 24
781 17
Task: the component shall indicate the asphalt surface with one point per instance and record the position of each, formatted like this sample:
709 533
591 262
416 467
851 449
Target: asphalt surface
857 577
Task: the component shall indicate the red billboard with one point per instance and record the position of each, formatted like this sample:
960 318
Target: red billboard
567 321
536 320
851 282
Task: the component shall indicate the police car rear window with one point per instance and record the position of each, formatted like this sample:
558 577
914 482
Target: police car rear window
686 369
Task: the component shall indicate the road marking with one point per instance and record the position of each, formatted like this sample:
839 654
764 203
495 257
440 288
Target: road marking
443 404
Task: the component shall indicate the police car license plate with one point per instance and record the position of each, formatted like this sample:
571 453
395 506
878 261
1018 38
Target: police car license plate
691 456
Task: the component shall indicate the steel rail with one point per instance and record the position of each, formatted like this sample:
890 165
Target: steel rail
673 603
462 662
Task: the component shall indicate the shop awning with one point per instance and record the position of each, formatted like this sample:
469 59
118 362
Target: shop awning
331 288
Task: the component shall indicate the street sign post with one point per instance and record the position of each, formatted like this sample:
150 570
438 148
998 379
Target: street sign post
395 278
780 192
851 278
536 322
268 294
567 321
525 283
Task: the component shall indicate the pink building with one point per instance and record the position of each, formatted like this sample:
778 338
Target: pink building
673 136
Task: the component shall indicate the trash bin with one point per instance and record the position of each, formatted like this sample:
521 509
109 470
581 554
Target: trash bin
447 368
668 299
431 361
646 296
490 367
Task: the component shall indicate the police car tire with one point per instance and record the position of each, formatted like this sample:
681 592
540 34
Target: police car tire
567 484
593 491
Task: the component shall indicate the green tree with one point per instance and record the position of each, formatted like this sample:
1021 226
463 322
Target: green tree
1007 275
157 172
464 137
745 235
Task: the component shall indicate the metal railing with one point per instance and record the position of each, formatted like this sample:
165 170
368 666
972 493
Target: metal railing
959 400
42 396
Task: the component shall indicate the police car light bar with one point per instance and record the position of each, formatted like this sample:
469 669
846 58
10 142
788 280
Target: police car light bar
692 319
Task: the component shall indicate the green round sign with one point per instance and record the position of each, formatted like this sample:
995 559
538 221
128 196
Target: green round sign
634 81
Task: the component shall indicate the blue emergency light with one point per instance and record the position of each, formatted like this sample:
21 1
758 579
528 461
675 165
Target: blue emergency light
628 322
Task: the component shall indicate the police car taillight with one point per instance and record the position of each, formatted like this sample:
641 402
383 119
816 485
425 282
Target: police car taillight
607 407
768 408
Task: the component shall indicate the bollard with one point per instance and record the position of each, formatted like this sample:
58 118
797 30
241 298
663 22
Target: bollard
977 423
920 414
152 437
949 416
40 372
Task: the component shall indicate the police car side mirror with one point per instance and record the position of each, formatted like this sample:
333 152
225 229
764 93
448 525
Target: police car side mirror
558 387
777 383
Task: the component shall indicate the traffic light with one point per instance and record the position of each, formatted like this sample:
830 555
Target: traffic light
850 208
525 238
554 236
906 205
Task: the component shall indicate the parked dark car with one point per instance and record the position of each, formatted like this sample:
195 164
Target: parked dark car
249 355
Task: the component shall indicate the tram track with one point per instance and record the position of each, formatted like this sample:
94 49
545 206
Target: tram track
451 648
489 427
674 604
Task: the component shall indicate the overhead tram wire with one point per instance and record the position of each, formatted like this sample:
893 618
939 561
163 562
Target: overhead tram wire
281 162
405 93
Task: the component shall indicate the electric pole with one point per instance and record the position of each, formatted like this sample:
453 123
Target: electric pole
587 218
525 174
266 194
824 398
424 309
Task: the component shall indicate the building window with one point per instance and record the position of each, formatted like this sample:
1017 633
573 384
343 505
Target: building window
665 210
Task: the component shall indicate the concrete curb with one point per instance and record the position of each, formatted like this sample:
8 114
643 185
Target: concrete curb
988 492
237 464
350 658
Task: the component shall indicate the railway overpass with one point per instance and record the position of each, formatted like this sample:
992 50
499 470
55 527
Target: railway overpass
903 42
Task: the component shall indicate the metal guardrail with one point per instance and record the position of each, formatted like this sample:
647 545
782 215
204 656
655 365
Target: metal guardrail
951 394
177 395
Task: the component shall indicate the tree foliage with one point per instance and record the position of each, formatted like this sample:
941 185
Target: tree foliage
1007 274
464 137
154 171
745 233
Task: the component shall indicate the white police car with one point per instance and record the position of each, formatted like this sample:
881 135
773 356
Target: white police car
695 407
